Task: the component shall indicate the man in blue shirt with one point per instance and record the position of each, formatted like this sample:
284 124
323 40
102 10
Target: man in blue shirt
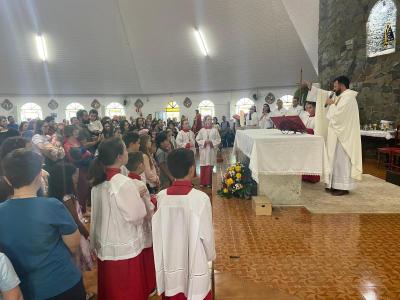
12 124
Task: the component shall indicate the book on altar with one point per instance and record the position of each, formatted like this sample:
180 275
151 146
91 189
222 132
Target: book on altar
289 123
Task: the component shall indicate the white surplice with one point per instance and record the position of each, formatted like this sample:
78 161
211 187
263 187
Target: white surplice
265 121
279 112
208 155
295 111
183 244
309 122
118 213
341 124
185 138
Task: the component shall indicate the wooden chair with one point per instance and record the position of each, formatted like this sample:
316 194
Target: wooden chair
388 151
395 163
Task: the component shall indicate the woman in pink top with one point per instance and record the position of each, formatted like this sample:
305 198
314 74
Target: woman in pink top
150 170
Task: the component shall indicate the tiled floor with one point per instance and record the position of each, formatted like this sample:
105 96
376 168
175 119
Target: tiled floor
298 255
342 256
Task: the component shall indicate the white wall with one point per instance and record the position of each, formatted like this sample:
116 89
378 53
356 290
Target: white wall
224 102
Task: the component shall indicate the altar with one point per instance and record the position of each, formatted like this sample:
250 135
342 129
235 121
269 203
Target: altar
277 161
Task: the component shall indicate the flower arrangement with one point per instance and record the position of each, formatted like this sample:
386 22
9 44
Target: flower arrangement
234 183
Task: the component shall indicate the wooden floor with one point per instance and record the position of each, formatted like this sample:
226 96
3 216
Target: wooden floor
298 255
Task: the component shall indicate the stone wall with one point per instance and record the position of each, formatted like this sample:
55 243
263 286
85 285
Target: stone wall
376 79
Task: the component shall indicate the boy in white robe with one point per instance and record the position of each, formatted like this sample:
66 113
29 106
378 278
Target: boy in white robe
208 140
296 108
185 137
280 111
183 236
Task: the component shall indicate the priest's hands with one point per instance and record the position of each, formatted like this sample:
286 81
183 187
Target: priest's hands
329 101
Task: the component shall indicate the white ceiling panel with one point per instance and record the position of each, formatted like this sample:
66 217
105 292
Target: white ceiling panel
148 46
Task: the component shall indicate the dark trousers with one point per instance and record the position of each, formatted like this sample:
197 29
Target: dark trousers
77 292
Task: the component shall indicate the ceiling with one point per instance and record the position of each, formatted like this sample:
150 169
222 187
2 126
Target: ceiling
130 47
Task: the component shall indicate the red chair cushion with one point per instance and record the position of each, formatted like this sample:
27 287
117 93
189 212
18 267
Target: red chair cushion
388 149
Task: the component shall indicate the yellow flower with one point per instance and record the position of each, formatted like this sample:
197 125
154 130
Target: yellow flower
238 175
229 181
238 168
225 191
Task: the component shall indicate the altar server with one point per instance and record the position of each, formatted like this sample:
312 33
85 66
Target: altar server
136 167
183 234
265 121
296 108
252 117
337 115
308 116
118 213
208 140
185 137
280 111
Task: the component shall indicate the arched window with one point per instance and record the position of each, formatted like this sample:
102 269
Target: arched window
72 109
287 101
207 108
31 111
172 110
381 28
244 105
115 109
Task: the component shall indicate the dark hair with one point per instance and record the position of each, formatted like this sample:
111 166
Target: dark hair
21 167
122 126
49 119
60 180
9 117
161 137
179 161
109 150
343 80
93 112
80 113
134 160
12 143
144 139
22 125
38 126
312 103
69 130
130 137
267 105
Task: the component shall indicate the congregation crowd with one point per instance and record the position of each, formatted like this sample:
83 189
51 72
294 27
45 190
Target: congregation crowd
131 180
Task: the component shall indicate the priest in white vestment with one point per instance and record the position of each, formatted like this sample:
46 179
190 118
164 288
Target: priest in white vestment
337 119
296 108
280 111
308 116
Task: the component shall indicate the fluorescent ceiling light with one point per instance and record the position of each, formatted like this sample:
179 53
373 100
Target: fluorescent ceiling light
41 47
201 42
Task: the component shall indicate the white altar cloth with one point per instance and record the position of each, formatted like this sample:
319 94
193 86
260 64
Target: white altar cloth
379 133
273 153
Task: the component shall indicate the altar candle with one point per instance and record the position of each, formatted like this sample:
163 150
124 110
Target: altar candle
242 120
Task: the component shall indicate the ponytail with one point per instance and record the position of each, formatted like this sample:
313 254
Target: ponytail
97 172
109 150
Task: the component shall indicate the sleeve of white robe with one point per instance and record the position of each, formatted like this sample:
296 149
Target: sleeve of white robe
215 138
130 204
192 139
207 232
321 121
201 138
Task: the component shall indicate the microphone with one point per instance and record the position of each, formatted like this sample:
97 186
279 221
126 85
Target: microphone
330 97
